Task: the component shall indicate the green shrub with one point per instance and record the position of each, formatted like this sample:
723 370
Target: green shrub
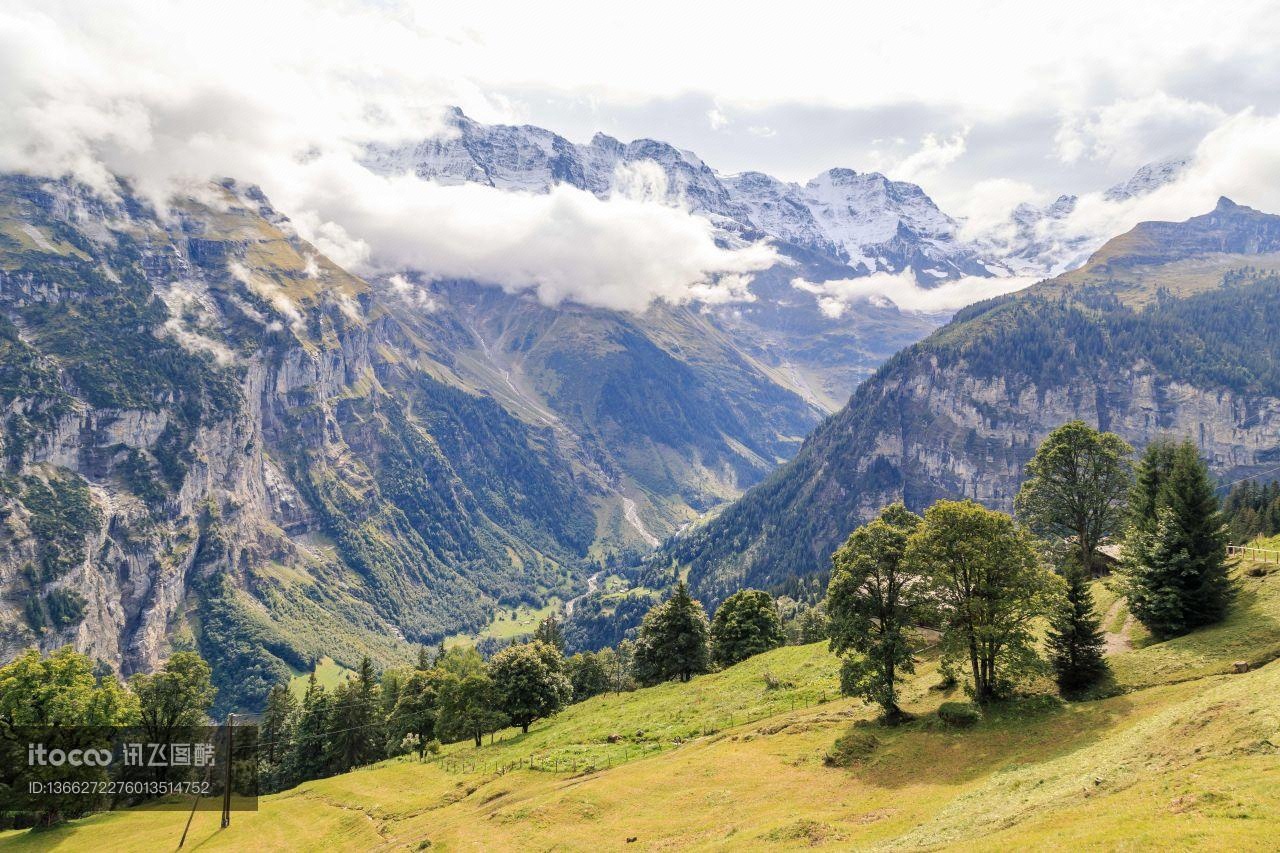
959 714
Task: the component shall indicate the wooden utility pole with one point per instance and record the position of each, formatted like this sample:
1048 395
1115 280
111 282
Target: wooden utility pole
226 775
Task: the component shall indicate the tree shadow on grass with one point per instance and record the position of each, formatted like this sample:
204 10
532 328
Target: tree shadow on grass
1011 733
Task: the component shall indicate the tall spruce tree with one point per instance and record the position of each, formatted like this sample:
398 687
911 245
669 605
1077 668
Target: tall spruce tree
550 632
673 641
277 723
1175 555
306 748
1076 642
356 736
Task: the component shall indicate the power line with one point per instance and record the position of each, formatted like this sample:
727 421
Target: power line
1253 476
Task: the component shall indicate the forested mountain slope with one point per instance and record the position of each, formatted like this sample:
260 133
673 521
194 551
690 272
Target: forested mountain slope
214 437
1169 329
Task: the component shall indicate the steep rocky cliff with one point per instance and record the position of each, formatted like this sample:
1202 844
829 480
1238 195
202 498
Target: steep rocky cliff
1168 329
214 437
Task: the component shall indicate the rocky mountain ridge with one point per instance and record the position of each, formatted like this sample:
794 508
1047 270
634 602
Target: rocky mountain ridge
1167 330
864 221
214 438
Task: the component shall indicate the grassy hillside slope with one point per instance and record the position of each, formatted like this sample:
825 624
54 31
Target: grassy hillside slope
1183 755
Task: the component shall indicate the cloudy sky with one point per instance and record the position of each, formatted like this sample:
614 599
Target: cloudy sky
985 104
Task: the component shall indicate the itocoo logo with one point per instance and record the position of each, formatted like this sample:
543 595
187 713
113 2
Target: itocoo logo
39 755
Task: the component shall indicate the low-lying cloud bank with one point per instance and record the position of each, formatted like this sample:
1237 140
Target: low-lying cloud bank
904 291
173 96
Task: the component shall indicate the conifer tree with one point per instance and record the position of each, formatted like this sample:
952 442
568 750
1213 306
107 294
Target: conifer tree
277 723
673 641
356 737
1076 642
305 758
550 632
1175 555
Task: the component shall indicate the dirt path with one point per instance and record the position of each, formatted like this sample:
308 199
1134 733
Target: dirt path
1120 642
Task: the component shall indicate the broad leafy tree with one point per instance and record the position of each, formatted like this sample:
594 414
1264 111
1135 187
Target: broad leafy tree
177 696
1175 553
468 699
673 641
746 624
1076 488
984 577
59 690
591 673
873 601
530 682
173 700
416 711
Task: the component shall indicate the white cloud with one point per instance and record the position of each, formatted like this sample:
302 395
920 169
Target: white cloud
984 212
284 95
902 290
183 299
934 154
414 294
622 252
1136 130
1239 159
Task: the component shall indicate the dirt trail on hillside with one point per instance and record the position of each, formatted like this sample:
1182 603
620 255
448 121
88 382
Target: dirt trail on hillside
1120 642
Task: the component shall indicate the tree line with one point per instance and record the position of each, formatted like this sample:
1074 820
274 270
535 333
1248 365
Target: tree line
1252 510
982 579
455 694
66 690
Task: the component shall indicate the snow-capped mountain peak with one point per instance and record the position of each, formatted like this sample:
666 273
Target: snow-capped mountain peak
863 220
1148 179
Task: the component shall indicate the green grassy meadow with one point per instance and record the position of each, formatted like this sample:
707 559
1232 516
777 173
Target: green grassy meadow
329 674
1181 754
